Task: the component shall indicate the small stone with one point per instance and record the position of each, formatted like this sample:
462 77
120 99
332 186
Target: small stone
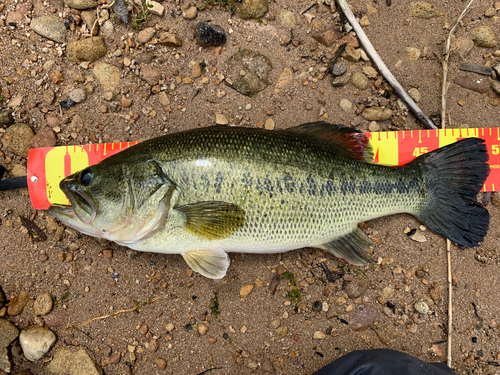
169 327
495 86
287 18
196 70
112 359
169 39
212 340
376 113
351 54
202 329
56 318
327 37
257 68
360 81
8 333
373 126
418 237
43 304
89 49
89 18
364 21
252 365
421 307
490 12
155 7
125 102
267 367
48 96
345 105
66 361
363 319
17 139
484 36
81 4
370 72
57 78
18 171
245 290
282 331
153 345
284 80
340 80
253 8
36 341
209 35
161 363
413 53
190 13
220 119
50 27
460 48
338 69
163 99
479 85
355 288
318 335
78 95
422 9
414 94
6 117
144 36
269 124
108 75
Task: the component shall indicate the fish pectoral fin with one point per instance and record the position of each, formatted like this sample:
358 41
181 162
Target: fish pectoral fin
348 142
209 263
212 220
354 247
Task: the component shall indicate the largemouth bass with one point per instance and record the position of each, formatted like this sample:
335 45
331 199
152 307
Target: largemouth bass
205 192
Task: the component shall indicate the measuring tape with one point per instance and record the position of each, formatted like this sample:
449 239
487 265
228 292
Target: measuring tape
48 166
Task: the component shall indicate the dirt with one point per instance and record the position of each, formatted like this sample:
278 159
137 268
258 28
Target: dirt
89 278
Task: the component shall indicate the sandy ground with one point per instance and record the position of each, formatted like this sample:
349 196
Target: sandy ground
264 331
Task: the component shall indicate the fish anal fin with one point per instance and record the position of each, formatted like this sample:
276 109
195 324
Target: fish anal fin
355 248
209 263
212 220
350 142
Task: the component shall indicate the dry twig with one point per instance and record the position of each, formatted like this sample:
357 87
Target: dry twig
382 68
444 92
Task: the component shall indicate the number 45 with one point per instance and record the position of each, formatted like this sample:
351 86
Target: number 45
419 151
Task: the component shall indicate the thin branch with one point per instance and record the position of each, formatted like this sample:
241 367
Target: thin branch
444 93
382 68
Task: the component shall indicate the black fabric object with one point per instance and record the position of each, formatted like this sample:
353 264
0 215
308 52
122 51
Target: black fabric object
383 362
12 183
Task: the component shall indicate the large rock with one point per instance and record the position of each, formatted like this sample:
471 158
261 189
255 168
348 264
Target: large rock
36 341
81 4
484 36
8 333
73 363
50 27
209 35
108 75
89 49
256 68
253 8
17 139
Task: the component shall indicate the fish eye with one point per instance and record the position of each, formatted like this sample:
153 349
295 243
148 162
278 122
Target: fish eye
86 176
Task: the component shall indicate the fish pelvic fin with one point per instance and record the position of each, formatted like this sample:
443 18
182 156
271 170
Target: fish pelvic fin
212 220
209 263
355 248
454 174
349 142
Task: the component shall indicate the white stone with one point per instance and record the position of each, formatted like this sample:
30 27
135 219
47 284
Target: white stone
156 8
36 341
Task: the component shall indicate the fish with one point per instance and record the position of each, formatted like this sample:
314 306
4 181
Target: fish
205 192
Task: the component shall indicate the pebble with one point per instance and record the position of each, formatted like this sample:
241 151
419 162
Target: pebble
17 139
360 81
144 36
81 4
363 319
78 95
169 39
57 78
163 99
478 85
125 102
108 75
36 341
50 27
418 237
257 68
376 113
460 48
490 12
209 35
89 49
345 105
284 80
43 304
6 117
252 365
153 345
56 318
415 94
421 307
287 18
338 69
364 21
169 327
14 17
155 8
282 331
356 288
18 171
275 323
107 28
351 54
370 72
318 335
253 8
413 53
66 361
340 80
373 126
8 333
245 290
269 124
48 96
190 13
484 36
422 9
202 329
89 18
495 86
327 37
161 363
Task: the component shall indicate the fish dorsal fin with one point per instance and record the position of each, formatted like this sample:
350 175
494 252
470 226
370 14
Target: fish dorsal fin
209 263
212 220
354 247
348 141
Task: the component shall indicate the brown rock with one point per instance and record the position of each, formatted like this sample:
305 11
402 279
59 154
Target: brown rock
327 37
245 290
481 86
65 361
56 318
107 253
45 138
363 319
169 39
13 18
153 345
125 102
112 359
17 139
161 363
90 49
57 78
253 8
146 35
16 305
376 113
6 117
43 304
53 121
150 75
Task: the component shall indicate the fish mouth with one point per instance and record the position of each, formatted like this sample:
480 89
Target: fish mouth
83 206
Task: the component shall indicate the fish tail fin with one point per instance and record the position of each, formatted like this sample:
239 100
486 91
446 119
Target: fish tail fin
454 175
